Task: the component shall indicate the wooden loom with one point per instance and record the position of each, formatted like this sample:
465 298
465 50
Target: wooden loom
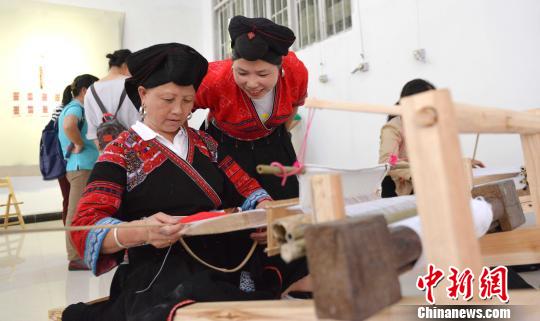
432 122
434 125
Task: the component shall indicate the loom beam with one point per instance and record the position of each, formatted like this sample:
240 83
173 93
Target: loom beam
355 263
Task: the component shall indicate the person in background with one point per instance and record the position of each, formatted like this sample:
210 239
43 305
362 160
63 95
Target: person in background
63 181
253 97
109 90
393 150
81 154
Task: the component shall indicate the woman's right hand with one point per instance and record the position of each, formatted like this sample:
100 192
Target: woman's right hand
164 236
476 163
77 149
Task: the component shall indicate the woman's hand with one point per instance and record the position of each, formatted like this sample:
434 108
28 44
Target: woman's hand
259 236
263 204
476 163
77 149
305 284
164 236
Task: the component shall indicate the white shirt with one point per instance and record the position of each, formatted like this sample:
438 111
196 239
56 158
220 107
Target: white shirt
180 142
264 105
109 91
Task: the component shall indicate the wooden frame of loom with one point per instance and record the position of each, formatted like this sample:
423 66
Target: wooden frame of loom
432 122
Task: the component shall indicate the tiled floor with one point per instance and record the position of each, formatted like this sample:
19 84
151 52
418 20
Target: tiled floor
34 276
39 196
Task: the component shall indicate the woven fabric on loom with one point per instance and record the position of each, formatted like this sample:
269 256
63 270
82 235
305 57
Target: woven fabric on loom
359 185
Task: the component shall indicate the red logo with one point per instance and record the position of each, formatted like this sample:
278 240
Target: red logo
494 283
461 283
429 281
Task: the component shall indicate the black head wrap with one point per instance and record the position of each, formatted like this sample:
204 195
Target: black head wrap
164 63
259 38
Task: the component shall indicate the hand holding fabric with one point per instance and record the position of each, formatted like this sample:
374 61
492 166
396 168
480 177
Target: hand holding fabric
164 236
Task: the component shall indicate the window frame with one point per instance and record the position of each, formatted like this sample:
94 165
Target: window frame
222 47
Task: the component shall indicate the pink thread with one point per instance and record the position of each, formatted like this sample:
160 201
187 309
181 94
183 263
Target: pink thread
299 164
393 159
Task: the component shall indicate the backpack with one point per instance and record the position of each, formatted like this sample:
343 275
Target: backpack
52 162
110 127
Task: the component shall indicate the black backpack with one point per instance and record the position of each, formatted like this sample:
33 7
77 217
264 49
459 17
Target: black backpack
110 127
52 162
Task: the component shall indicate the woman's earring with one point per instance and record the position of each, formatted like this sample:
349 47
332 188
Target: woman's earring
189 116
142 111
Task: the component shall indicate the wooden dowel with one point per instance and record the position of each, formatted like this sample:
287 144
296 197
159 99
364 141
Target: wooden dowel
350 106
77 228
475 146
470 118
400 166
222 224
273 170
474 119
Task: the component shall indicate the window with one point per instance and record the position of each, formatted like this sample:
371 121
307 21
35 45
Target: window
311 20
308 22
225 10
279 12
338 16
259 8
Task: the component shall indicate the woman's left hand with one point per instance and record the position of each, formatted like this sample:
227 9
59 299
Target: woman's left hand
259 236
166 235
263 204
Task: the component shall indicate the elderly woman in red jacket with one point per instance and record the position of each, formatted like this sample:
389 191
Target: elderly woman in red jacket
153 173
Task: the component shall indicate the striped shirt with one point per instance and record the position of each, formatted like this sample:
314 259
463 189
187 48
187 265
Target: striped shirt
56 113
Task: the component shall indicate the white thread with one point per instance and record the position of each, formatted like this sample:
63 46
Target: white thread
155 277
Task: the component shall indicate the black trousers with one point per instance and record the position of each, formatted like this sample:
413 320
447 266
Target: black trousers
277 147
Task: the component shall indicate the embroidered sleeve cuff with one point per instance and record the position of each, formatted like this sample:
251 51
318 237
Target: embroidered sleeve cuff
255 198
93 245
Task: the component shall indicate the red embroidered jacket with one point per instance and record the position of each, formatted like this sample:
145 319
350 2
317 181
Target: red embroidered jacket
134 178
232 111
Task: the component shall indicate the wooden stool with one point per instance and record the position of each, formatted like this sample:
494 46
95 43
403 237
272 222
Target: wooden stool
11 201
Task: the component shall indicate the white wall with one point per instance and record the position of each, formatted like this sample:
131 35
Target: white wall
43 50
485 51
149 22
145 23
